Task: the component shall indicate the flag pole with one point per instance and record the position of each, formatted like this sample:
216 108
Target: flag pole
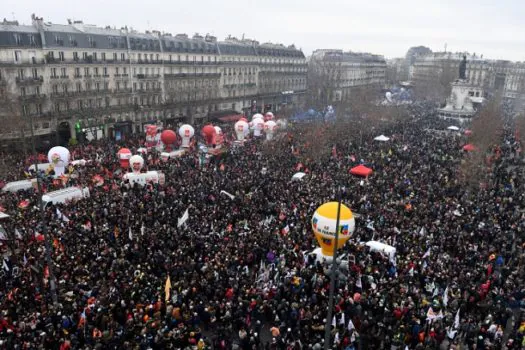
333 277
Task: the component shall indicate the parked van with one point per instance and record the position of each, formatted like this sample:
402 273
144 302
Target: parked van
145 178
16 186
65 195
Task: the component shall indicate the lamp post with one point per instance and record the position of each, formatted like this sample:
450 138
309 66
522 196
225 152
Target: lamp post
333 277
47 243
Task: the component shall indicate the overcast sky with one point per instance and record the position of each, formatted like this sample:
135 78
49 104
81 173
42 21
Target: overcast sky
494 28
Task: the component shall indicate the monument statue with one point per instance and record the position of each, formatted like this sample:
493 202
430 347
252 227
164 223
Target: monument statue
463 68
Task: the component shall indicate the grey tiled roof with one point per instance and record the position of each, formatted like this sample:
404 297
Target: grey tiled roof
174 44
229 48
7 37
17 28
89 37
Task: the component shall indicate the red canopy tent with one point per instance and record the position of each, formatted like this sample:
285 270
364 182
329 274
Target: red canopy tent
361 170
469 147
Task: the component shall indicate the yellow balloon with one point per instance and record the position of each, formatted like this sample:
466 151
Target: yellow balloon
324 223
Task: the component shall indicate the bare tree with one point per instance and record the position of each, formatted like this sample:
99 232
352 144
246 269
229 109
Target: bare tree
487 130
15 124
324 82
435 83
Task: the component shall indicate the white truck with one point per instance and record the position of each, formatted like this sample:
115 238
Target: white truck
65 195
16 186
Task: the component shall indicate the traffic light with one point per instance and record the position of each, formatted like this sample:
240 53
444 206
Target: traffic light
77 126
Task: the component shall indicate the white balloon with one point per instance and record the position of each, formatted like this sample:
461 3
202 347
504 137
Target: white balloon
59 156
269 116
136 163
241 127
257 115
186 131
269 128
218 130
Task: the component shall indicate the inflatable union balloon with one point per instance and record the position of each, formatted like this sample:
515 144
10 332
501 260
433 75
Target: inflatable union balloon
136 163
269 116
186 132
168 138
208 133
124 154
151 136
324 226
257 116
282 124
219 135
240 129
59 156
269 128
258 126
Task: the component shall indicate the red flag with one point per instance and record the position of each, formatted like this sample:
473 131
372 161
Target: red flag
98 180
23 204
39 237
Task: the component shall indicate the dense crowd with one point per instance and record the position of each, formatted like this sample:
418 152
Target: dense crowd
238 268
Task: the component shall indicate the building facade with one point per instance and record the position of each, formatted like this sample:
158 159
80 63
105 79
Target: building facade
487 75
76 78
335 74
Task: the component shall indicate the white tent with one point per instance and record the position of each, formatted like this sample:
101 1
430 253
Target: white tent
298 176
382 138
452 127
376 246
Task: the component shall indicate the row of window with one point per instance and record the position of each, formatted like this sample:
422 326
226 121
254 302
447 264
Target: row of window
60 56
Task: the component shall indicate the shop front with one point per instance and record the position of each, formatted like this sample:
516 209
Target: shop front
121 131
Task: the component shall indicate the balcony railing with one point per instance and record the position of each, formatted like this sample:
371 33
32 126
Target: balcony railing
29 80
59 77
149 76
192 75
32 97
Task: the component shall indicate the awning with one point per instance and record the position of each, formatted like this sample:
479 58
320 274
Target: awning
361 170
382 138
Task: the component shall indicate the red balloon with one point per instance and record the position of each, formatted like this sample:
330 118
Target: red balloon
168 137
209 133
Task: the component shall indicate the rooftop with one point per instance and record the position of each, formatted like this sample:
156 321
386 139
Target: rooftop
78 34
